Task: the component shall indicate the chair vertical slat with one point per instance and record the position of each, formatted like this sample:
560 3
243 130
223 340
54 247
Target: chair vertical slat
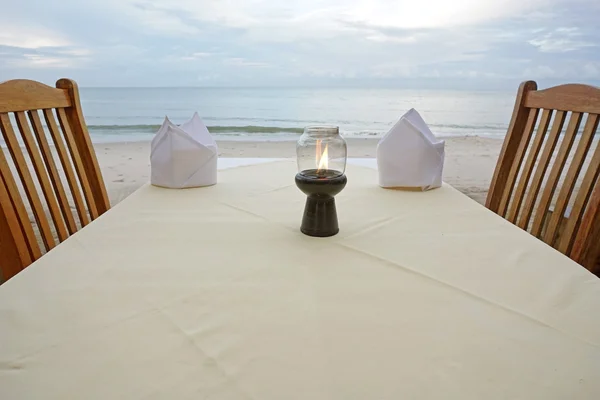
76 157
66 164
540 171
516 164
84 144
586 246
18 207
566 190
13 245
509 147
585 190
555 173
30 190
40 135
534 152
40 170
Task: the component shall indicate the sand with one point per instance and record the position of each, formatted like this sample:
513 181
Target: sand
469 164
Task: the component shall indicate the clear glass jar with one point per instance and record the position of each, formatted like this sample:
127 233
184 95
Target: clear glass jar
321 152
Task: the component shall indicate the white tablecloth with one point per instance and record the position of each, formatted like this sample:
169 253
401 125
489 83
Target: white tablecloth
214 293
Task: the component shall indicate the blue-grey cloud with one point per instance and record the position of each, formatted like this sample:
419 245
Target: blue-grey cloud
264 42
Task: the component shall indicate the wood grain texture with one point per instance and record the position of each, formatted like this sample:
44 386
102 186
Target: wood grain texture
30 190
77 162
573 172
518 160
582 199
572 230
23 95
67 168
25 231
84 143
13 246
73 146
586 247
571 97
510 147
59 189
40 171
527 170
540 171
555 173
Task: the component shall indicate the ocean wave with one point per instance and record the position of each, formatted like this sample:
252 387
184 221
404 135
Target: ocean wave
213 129
136 128
247 132
270 129
470 127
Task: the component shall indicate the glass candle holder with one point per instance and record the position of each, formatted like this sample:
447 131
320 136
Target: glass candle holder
321 156
321 152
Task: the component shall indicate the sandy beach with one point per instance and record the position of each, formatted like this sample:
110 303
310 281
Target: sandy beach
469 164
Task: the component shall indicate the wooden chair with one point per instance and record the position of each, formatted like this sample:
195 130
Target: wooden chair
22 102
522 190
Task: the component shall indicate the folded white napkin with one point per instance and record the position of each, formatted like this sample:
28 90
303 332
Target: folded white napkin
410 156
183 156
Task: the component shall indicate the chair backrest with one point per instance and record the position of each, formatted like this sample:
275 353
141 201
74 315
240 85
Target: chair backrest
539 197
59 152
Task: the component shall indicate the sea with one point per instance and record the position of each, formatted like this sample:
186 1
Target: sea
263 114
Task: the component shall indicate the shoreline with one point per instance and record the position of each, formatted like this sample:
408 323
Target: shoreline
115 139
469 163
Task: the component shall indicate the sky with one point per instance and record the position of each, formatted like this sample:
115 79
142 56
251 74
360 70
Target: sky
484 44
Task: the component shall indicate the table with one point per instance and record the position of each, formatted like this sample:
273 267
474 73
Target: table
214 293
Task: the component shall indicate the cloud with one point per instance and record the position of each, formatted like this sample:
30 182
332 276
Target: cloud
561 40
434 13
42 61
242 62
269 42
30 37
317 13
196 56
54 57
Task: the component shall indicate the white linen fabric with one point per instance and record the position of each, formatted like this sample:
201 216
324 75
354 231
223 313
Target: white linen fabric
214 293
183 156
410 156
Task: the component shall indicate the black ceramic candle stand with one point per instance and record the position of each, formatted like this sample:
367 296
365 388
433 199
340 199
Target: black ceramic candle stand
320 215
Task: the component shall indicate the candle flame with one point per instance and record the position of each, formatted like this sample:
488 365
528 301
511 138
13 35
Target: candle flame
318 152
323 159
